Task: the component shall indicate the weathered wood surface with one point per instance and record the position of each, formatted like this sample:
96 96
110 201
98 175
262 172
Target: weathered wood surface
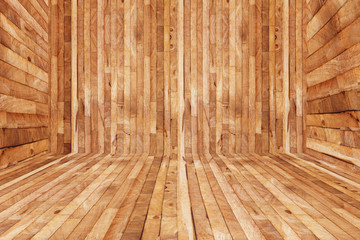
24 79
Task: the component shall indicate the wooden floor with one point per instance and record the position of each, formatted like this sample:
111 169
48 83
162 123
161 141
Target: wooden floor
131 197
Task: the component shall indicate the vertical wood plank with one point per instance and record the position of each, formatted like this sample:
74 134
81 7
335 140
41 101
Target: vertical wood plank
140 75
272 74
219 75
205 76
245 77
94 77
53 75
133 74
74 96
167 80
232 75
238 66
258 77
120 77
100 74
225 78
194 79
87 74
127 73
184 217
286 101
252 77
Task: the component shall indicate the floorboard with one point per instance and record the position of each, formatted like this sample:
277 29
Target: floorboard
244 196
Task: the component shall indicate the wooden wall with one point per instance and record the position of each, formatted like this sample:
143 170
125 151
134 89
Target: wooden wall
153 76
60 76
168 76
118 76
242 84
179 76
333 79
249 91
24 84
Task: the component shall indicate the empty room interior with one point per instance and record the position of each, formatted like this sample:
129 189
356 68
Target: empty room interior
179 119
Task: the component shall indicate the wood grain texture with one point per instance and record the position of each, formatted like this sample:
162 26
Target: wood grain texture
333 86
127 70
119 80
24 80
238 196
185 119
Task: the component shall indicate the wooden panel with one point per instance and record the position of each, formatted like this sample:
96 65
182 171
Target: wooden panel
21 136
337 120
118 91
235 90
333 80
11 155
22 120
24 84
341 137
344 17
240 79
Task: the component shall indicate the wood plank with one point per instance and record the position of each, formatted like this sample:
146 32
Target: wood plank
113 59
250 228
184 218
265 77
344 17
153 219
336 120
18 105
208 11
16 75
347 153
17 61
94 83
14 89
322 16
10 42
22 120
259 76
74 92
272 72
286 75
41 29
233 225
300 9
344 62
238 66
201 223
252 118
14 154
341 102
343 82
100 74
20 34
338 44
13 136
340 137
87 75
